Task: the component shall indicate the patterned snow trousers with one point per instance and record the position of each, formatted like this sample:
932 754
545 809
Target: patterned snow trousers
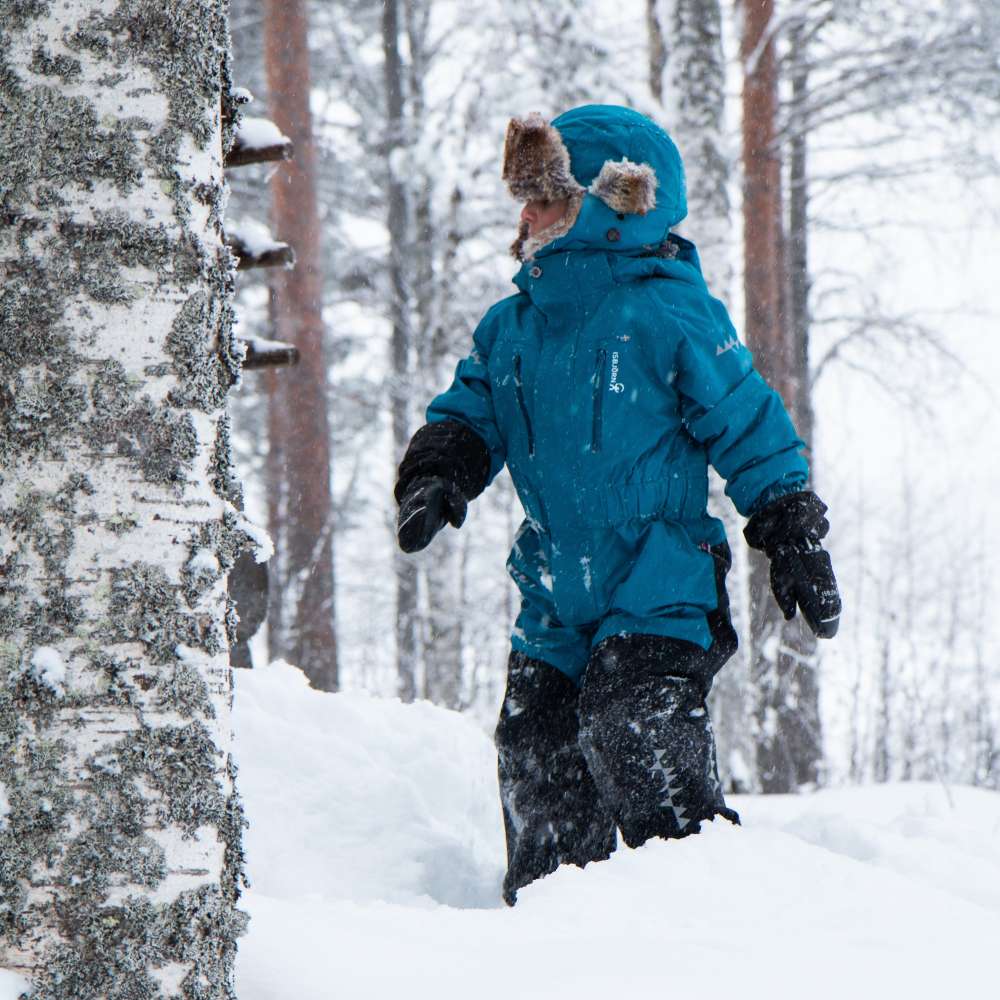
631 749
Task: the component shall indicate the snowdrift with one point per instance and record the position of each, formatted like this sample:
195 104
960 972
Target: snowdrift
376 854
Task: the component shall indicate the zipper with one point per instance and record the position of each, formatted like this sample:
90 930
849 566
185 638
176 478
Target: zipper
595 436
519 389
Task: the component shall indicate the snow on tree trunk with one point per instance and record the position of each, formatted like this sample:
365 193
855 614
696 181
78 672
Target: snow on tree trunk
304 584
120 843
694 95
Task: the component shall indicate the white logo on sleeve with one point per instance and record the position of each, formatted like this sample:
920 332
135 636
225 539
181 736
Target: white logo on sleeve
615 385
730 345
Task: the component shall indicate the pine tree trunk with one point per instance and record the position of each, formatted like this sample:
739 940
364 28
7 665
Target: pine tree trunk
120 857
804 724
787 723
798 236
304 590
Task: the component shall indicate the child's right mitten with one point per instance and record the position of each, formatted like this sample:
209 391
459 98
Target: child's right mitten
425 508
446 465
789 531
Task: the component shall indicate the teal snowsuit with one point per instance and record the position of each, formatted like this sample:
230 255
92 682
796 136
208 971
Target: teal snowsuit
607 384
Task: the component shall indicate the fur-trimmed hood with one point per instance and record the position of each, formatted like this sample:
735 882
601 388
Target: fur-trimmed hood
620 171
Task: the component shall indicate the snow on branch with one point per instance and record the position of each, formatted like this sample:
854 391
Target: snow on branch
259 140
254 246
263 353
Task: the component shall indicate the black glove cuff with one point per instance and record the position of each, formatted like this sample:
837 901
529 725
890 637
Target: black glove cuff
447 450
790 520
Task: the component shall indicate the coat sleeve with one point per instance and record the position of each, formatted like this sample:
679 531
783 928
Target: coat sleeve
738 417
468 403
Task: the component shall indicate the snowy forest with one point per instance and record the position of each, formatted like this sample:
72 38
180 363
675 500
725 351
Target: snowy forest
865 140
246 740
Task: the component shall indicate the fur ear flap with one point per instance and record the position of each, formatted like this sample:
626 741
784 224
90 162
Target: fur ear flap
626 187
536 161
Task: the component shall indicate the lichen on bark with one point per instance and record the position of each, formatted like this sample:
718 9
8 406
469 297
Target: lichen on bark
222 473
65 144
185 693
36 415
205 356
179 45
160 440
224 540
99 250
146 607
116 353
125 941
44 63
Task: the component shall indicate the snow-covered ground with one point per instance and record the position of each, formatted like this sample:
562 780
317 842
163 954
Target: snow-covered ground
376 852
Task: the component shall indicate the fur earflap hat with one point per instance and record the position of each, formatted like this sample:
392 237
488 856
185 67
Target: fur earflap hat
536 162
620 172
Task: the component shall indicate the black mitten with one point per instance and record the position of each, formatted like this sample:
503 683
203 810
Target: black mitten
425 508
446 465
789 531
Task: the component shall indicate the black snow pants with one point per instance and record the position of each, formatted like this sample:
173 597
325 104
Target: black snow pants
631 749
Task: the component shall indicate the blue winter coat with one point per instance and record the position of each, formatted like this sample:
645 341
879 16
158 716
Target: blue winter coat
607 384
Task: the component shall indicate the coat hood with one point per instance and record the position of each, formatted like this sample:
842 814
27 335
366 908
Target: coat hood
621 172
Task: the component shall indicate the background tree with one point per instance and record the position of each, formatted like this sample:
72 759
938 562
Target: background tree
783 669
301 509
434 119
687 69
860 81
871 97
120 857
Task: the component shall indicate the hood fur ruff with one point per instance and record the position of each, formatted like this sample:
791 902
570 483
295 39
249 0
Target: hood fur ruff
525 247
536 167
626 187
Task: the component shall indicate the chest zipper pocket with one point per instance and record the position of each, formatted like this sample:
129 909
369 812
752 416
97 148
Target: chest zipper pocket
596 429
522 405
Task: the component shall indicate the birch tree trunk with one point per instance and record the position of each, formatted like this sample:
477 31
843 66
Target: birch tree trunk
302 502
398 224
120 829
432 288
693 92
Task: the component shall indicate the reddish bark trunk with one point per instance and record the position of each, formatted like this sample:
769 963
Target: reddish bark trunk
788 734
762 229
306 525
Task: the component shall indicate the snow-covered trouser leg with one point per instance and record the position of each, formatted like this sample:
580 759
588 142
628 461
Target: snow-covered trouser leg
552 812
647 737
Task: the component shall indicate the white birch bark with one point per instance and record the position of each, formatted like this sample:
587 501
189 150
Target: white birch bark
120 857
694 93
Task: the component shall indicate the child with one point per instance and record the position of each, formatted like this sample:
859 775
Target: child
607 384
